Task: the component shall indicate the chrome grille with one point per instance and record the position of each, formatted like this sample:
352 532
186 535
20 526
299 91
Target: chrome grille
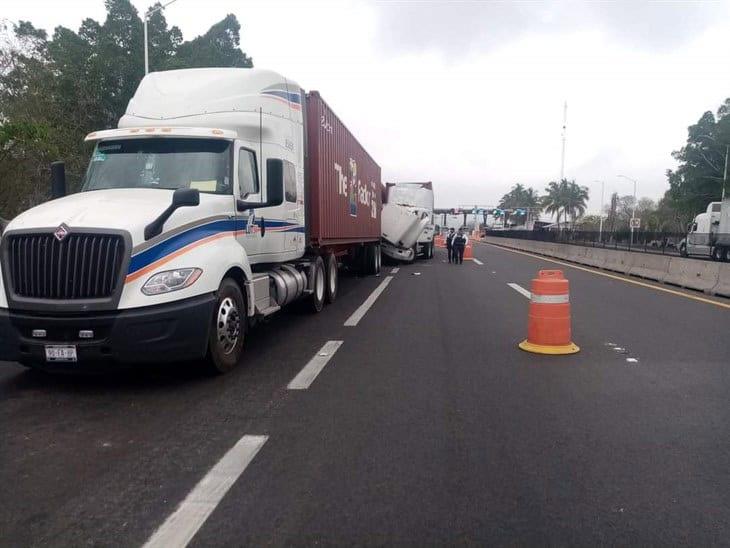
81 266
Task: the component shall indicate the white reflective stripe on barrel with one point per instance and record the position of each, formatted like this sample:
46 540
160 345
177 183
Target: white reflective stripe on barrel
550 299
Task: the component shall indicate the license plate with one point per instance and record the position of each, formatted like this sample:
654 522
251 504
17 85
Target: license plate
60 353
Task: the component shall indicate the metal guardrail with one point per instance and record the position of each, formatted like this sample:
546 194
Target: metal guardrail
663 243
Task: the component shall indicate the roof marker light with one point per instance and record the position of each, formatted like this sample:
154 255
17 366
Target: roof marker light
149 130
217 132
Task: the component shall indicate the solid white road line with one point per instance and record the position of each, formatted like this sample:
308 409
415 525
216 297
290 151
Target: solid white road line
370 301
307 375
521 290
395 270
480 263
179 529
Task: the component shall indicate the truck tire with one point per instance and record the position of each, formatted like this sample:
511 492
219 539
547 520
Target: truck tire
373 260
318 284
333 280
228 329
716 254
683 249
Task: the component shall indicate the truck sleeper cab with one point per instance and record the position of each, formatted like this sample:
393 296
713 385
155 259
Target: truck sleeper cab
191 226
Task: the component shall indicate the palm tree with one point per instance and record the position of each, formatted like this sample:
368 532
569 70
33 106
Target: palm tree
565 198
576 197
552 201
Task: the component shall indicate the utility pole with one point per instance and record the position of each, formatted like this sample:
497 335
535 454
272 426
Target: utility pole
565 130
146 18
600 215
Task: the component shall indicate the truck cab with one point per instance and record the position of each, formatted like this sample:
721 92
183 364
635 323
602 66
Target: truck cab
408 221
708 234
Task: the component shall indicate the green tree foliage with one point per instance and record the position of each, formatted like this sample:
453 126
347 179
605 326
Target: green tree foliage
698 179
565 199
519 196
55 91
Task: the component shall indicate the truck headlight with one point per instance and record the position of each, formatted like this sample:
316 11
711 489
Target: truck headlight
171 280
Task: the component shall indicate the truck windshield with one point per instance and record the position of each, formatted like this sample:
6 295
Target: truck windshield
414 196
169 163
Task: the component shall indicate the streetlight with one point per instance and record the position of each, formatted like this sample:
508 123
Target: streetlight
600 216
633 213
146 18
727 153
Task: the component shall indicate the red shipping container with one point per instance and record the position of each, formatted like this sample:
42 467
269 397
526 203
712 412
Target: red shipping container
343 181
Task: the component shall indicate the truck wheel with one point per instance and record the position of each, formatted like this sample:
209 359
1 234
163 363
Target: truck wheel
318 285
228 329
333 281
373 260
683 250
716 254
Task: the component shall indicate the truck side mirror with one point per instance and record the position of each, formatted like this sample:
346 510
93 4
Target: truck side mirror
182 197
58 180
274 187
185 197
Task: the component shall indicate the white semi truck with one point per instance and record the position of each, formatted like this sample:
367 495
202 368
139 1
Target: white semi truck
408 222
222 196
709 233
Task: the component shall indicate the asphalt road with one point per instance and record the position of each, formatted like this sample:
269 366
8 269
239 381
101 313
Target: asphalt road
426 427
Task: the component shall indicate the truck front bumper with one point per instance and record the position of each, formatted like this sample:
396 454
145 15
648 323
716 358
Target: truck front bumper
176 331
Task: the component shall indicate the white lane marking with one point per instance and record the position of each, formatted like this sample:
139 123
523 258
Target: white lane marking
179 529
477 261
632 360
520 289
370 301
395 270
314 367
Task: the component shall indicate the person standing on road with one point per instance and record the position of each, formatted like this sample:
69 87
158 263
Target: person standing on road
450 244
459 243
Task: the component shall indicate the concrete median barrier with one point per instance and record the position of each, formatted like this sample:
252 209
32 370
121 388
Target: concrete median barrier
707 276
693 274
618 261
651 267
723 281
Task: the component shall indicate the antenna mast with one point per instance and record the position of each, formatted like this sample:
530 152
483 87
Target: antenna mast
565 130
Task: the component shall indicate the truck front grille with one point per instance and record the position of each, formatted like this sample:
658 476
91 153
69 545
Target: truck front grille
81 266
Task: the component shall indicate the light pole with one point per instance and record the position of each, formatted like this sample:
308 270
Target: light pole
600 215
633 213
724 173
146 18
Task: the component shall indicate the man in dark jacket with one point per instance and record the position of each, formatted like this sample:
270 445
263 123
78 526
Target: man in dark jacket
449 244
459 243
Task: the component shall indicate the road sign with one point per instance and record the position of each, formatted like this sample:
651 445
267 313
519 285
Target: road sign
635 223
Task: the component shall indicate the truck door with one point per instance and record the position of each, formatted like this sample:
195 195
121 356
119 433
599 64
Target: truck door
248 188
294 205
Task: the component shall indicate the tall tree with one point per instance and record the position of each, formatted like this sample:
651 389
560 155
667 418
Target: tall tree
698 178
565 198
54 91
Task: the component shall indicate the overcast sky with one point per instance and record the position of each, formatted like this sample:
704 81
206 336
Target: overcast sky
470 94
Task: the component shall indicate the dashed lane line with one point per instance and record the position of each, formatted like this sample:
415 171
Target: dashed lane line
477 261
179 529
353 320
314 367
395 270
520 290
615 277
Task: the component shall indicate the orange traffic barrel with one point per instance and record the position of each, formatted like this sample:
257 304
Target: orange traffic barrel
468 253
548 324
439 241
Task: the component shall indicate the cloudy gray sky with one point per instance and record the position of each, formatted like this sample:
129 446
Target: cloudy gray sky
470 94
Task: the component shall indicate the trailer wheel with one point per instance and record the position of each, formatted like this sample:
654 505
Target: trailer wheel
228 329
716 254
683 249
333 280
318 285
373 260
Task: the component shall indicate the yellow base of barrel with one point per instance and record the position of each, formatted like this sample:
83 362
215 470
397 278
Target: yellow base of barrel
545 349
